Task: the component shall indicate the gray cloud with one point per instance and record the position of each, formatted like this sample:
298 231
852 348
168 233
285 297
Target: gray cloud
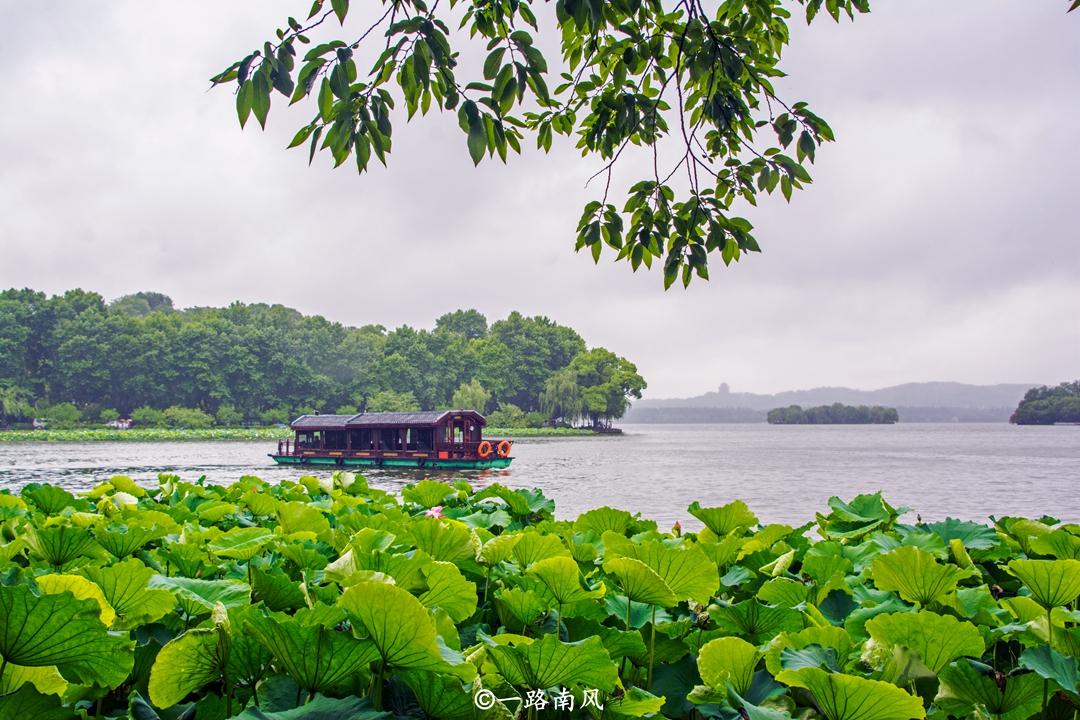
937 242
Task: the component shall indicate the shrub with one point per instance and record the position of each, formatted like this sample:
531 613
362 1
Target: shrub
148 417
229 416
182 417
62 415
108 415
275 416
507 416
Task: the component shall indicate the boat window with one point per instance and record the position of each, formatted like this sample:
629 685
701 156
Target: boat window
459 433
410 439
361 440
389 439
425 439
335 440
308 439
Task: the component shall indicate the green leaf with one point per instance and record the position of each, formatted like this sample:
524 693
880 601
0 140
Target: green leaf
639 582
1052 665
549 662
320 707
81 588
317 658
847 697
427 493
604 519
446 540
448 589
519 608
965 689
560 578
723 520
916 575
61 630
477 140
123 540
442 696
58 545
29 704
242 543
199 597
828 636
974 536
186 664
1053 583
728 660
126 588
399 627
756 622
341 9
687 572
938 639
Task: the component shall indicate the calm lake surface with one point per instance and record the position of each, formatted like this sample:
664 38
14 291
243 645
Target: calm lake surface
785 473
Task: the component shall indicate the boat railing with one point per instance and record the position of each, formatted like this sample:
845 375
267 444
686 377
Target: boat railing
289 447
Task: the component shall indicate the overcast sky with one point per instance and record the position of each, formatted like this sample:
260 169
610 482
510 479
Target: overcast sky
938 242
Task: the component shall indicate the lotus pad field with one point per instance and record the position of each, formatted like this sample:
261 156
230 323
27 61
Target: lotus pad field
328 599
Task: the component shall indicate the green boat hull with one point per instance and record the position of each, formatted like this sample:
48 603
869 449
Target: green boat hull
494 463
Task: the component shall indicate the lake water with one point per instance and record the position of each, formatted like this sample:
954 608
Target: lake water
785 473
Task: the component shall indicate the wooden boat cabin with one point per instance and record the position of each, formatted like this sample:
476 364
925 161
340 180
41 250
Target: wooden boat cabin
431 439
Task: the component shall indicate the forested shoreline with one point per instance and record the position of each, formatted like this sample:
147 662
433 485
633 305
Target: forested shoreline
835 414
1050 405
74 359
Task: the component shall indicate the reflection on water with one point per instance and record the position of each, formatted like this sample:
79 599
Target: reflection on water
785 473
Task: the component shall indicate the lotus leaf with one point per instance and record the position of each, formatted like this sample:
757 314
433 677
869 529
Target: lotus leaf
60 544
427 493
81 588
399 627
186 664
639 582
198 597
965 688
688 573
1053 583
315 656
560 580
241 543
916 575
64 631
27 703
1049 664
848 697
534 547
728 660
726 519
550 662
751 620
834 638
125 586
448 589
604 519
938 639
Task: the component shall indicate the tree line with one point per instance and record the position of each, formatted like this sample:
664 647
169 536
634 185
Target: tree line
835 414
75 358
1048 405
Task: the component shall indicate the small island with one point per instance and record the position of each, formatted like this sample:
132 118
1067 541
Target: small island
835 414
1049 406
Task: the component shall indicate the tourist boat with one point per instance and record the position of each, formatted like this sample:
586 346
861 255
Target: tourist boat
449 439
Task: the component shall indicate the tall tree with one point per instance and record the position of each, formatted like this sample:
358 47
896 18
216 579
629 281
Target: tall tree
608 383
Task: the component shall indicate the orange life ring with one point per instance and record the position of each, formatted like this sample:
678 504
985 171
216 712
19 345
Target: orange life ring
504 448
484 449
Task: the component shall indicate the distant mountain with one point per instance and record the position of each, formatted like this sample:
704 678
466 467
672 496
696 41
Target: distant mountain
916 402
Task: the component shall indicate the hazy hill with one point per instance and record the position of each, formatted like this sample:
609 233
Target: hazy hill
916 402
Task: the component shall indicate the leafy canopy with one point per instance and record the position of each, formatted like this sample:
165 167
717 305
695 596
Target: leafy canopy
689 86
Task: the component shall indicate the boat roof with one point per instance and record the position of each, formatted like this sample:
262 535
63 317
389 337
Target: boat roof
385 419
